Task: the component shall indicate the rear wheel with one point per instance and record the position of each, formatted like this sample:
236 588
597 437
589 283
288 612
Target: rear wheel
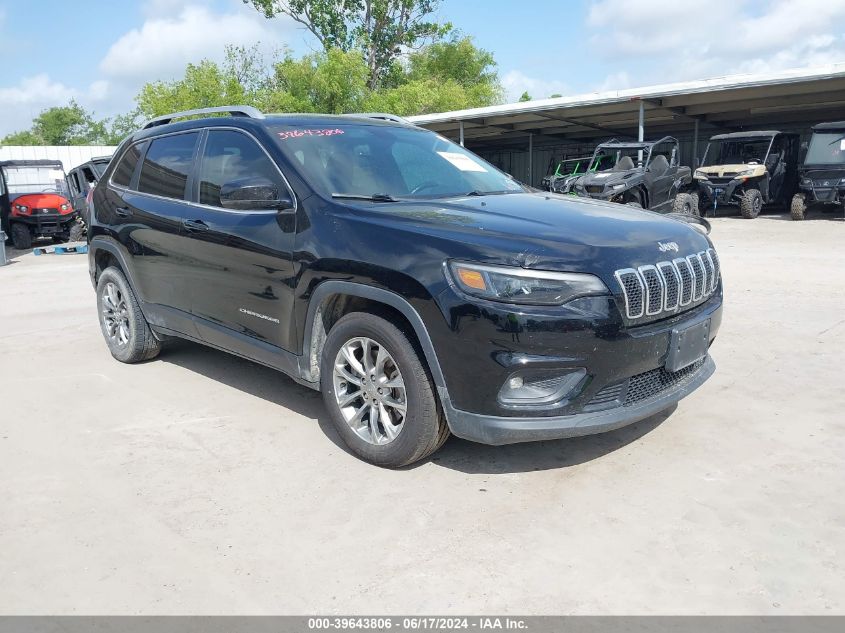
798 208
379 394
124 327
751 203
683 204
21 237
696 203
76 231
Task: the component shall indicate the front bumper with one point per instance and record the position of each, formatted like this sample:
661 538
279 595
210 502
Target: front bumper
47 223
496 430
832 194
719 192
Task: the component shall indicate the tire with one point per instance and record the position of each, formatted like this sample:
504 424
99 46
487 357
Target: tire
696 203
75 234
21 237
798 208
683 204
751 203
402 439
126 331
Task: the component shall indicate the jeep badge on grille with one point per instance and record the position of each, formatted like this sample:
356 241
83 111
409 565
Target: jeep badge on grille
667 246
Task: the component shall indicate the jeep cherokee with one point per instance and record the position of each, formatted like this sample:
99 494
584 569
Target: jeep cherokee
419 288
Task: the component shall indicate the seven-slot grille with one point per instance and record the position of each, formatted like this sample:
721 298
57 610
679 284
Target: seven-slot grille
668 286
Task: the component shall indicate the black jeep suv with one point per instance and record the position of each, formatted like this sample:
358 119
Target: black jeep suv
419 288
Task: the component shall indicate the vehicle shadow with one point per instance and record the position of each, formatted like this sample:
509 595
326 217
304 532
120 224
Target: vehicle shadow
456 454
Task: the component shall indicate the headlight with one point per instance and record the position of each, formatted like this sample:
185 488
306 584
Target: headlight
806 182
22 209
527 287
619 186
747 172
700 175
64 207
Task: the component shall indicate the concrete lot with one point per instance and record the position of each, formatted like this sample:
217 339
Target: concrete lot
201 483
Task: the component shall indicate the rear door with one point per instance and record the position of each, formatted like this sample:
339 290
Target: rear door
240 261
147 217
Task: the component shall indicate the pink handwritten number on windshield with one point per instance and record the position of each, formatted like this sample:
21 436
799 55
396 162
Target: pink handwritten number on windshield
302 133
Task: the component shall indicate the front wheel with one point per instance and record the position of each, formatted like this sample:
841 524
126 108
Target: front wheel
751 203
379 394
21 236
683 204
798 208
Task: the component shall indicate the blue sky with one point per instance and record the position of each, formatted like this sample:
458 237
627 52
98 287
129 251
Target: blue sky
100 52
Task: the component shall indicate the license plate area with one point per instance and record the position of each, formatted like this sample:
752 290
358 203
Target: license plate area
688 345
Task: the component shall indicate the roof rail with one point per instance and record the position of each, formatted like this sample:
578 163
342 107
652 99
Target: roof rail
383 116
240 110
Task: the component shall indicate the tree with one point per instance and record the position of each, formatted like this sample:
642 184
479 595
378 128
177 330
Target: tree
382 30
461 61
61 125
555 95
525 96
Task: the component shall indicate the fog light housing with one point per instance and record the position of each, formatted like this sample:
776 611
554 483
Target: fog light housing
541 387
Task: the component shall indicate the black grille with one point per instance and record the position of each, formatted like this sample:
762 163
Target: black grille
698 272
609 395
656 381
594 188
716 268
654 290
633 289
673 287
686 280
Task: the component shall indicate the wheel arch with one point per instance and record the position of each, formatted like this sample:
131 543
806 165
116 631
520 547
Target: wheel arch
103 252
334 298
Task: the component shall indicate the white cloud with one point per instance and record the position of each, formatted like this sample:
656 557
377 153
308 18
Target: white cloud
20 103
515 83
164 44
675 44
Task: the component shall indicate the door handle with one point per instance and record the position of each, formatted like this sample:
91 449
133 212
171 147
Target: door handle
195 225
123 212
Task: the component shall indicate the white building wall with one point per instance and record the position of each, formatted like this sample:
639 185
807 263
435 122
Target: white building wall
70 155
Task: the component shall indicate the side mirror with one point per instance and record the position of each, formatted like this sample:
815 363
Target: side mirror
254 194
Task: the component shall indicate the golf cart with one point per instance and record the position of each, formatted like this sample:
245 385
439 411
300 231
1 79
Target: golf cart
749 169
821 179
570 169
643 174
34 202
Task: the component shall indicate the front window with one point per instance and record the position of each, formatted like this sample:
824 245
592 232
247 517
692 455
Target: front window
399 162
619 157
826 149
745 151
40 179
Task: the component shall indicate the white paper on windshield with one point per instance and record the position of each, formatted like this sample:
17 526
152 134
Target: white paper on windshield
462 161
842 144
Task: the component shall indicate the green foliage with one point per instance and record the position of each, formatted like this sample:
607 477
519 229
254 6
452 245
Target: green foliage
60 125
378 29
525 96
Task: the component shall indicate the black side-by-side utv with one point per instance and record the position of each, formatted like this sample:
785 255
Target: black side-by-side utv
822 176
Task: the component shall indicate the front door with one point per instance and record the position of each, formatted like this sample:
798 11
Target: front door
240 261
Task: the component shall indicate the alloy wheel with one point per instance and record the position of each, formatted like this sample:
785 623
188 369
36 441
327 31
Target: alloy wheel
115 314
369 390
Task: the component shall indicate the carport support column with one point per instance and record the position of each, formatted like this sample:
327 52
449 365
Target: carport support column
641 131
695 145
461 132
530 158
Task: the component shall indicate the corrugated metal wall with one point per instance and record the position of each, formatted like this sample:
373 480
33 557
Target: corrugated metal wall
70 155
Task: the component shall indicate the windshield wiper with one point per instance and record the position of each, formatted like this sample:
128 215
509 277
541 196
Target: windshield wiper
499 192
376 197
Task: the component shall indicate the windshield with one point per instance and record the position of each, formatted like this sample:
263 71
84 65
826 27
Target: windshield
826 149
737 151
20 180
367 160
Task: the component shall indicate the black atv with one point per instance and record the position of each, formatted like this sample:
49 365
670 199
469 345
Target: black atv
821 179
569 170
748 169
641 174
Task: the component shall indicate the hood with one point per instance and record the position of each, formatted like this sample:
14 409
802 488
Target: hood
541 230
605 178
39 200
722 171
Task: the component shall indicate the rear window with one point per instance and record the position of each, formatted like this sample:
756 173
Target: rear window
167 165
126 167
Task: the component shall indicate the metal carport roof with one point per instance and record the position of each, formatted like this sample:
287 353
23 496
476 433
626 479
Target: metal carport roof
722 104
